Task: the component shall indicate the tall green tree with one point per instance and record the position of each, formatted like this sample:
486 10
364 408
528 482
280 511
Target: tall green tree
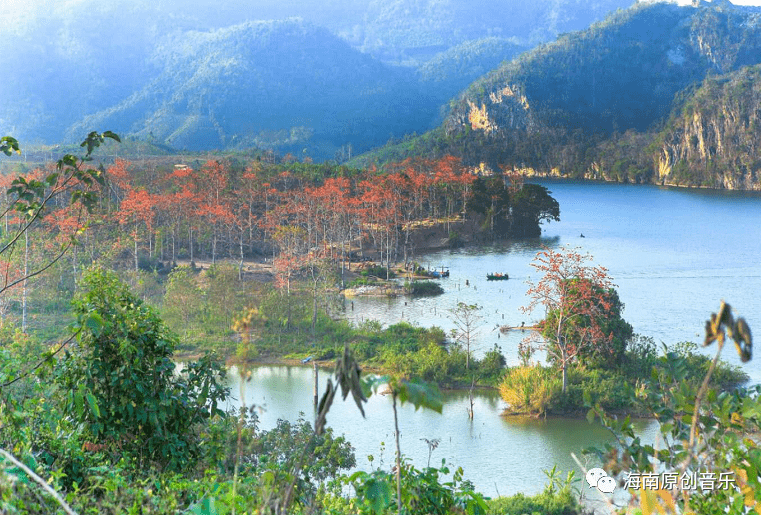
532 204
121 383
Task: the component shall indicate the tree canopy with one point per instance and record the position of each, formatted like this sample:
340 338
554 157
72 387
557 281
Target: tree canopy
121 383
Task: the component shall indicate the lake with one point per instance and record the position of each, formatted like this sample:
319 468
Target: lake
674 254
501 455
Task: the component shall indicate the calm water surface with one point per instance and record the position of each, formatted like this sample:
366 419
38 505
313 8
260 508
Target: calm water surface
674 254
499 454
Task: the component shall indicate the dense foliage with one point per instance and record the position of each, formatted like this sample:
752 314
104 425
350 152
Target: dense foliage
537 390
203 77
120 382
702 430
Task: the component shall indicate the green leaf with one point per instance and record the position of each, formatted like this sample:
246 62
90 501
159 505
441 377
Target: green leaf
78 401
8 145
208 506
94 323
93 404
112 135
353 478
420 394
378 493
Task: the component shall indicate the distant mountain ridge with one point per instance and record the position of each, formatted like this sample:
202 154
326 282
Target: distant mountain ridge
414 31
610 101
280 83
197 78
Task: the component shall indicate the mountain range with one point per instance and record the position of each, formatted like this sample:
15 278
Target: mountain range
657 93
340 77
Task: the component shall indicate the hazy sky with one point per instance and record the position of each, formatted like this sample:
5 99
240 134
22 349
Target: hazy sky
24 5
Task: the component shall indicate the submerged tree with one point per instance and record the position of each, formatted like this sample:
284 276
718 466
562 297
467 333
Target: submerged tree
467 320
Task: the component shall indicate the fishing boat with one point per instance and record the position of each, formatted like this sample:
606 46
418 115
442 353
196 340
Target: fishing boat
497 277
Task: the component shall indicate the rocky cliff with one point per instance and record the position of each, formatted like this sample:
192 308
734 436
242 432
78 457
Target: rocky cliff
656 93
714 138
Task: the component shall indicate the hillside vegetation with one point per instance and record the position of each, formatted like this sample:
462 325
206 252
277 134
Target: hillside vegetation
282 84
657 93
327 80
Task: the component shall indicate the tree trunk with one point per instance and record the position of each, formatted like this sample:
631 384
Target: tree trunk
214 248
26 273
470 398
398 459
467 350
240 264
314 307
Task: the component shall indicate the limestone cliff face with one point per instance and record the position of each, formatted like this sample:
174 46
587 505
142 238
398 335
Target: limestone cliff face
506 108
623 101
715 140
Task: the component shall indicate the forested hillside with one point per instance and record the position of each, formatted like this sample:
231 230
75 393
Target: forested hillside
595 103
326 81
414 31
283 84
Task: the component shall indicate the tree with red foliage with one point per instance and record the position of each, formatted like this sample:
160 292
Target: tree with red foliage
214 208
136 208
577 300
381 214
184 202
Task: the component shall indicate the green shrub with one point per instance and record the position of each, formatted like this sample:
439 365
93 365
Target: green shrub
423 491
378 271
608 388
725 376
424 288
120 384
561 502
492 365
640 357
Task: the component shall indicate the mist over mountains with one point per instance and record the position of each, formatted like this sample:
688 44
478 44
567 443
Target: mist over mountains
199 75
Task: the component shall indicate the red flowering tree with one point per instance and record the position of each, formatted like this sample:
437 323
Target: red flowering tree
577 300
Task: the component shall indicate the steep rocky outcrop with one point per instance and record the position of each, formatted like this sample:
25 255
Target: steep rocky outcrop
715 138
658 93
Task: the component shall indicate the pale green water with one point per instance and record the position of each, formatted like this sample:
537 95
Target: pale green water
499 454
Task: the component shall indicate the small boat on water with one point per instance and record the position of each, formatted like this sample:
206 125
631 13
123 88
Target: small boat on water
497 277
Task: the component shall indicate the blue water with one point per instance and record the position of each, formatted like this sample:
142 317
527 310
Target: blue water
673 253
